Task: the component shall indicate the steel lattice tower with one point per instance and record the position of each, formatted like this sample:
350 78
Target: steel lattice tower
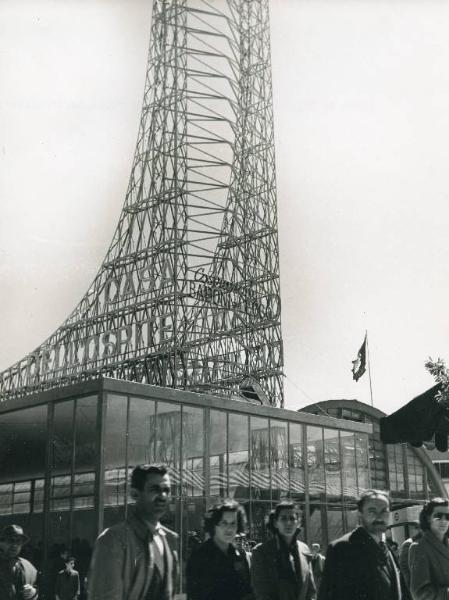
188 293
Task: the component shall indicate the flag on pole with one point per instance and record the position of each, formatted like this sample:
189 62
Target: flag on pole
359 364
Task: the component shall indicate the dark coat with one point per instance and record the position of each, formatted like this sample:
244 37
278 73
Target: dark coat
211 574
265 576
67 585
429 568
356 569
122 563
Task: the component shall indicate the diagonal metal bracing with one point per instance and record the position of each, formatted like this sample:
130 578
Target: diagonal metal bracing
188 293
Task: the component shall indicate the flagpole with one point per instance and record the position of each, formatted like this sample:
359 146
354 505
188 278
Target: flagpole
369 368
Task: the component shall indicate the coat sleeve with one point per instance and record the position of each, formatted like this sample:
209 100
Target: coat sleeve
403 561
261 576
421 584
105 579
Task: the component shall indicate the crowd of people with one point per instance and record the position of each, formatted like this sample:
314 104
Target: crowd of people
137 559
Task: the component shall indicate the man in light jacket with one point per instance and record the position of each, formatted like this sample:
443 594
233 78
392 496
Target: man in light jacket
137 559
280 567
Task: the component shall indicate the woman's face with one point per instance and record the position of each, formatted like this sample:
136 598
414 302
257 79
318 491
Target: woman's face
438 521
226 528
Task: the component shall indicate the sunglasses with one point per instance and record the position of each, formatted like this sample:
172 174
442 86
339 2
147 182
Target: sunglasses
441 515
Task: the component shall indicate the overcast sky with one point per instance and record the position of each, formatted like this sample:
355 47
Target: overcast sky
361 99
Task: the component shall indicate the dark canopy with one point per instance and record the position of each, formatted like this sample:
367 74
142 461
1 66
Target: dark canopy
419 420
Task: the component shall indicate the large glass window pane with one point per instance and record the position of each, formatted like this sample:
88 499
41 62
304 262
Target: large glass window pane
85 452
114 453
193 451
362 460
332 464
315 462
141 431
61 460
335 525
238 456
218 454
23 443
279 459
396 469
296 462
260 459
168 441
349 470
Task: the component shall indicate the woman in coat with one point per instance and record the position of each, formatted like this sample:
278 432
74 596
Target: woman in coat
429 556
217 570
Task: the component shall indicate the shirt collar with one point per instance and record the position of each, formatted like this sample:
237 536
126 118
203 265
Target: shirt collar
155 529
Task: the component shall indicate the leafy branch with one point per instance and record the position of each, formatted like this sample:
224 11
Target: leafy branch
440 372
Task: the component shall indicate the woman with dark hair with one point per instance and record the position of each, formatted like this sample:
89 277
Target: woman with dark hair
429 556
217 570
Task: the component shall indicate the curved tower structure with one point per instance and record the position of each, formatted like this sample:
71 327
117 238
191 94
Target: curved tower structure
188 293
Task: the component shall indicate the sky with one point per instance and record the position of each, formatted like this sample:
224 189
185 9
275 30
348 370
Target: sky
361 104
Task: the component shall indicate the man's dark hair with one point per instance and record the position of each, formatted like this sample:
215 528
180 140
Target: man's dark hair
70 559
427 510
141 472
214 515
285 505
370 495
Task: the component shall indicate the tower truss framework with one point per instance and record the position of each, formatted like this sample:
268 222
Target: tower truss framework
188 294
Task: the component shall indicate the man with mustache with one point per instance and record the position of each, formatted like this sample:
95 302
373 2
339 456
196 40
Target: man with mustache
359 565
137 559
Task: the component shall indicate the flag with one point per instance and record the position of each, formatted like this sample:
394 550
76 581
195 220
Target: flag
359 364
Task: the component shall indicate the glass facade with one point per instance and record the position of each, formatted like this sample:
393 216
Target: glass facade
66 462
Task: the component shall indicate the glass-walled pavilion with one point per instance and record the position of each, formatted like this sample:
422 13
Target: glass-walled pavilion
66 455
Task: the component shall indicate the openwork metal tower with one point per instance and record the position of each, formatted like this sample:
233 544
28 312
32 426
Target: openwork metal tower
188 293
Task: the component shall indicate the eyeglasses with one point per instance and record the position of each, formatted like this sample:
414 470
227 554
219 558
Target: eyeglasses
286 519
440 515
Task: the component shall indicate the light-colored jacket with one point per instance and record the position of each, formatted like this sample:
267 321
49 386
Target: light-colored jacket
429 568
265 576
122 563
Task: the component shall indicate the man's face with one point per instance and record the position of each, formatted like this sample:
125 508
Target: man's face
153 499
11 547
70 565
287 522
375 515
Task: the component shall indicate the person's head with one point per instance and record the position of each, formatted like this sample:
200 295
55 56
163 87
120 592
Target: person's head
414 528
223 521
287 519
150 487
70 563
316 548
12 538
374 511
434 517
240 541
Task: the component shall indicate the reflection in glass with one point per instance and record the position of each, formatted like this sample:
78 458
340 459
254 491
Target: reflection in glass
296 461
349 471
260 459
193 451
315 461
141 431
332 464
114 450
62 455
217 454
238 456
168 440
362 460
335 524
396 469
85 452
279 459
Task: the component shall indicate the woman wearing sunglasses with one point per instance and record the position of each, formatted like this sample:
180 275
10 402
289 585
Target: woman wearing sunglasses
429 556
